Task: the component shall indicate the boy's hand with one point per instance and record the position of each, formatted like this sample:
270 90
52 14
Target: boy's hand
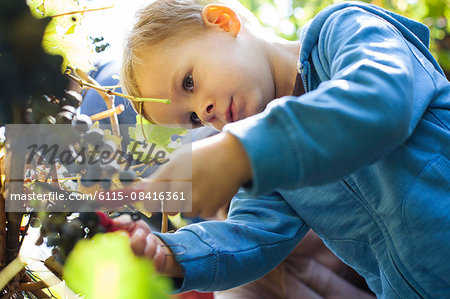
219 167
144 243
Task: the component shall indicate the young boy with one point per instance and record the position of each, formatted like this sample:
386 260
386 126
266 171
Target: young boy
361 156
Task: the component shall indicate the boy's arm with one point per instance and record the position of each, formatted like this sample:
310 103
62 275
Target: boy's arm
217 255
361 113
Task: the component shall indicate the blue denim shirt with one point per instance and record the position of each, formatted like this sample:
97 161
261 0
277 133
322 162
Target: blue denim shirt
362 158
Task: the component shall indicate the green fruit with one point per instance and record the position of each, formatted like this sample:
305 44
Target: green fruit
106 267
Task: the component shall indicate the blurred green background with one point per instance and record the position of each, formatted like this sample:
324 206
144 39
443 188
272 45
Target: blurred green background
286 17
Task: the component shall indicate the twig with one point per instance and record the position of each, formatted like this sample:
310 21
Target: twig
81 11
83 84
32 286
38 293
164 223
137 166
10 271
54 266
107 113
110 104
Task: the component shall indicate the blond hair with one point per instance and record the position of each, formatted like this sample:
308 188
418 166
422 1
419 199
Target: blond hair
164 19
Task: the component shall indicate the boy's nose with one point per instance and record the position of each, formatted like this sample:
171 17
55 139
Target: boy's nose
207 113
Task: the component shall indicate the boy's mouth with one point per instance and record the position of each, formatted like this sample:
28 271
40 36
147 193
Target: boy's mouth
234 112
229 113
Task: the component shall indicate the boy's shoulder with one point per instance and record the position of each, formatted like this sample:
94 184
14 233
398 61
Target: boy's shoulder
414 32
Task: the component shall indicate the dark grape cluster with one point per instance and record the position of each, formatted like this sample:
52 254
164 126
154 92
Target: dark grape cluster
100 165
92 156
62 231
49 110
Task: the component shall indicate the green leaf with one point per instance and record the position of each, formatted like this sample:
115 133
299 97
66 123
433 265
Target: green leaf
64 34
105 267
152 134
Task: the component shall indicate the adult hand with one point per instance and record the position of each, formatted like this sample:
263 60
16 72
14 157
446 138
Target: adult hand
219 167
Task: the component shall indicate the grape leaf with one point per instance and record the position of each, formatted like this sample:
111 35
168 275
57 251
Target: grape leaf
162 137
105 267
64 35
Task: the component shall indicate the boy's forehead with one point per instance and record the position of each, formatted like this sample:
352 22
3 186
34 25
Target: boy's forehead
158 64
154 72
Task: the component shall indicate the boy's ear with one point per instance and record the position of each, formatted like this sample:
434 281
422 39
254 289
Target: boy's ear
221 16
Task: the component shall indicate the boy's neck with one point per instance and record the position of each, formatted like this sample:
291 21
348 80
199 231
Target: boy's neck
283 57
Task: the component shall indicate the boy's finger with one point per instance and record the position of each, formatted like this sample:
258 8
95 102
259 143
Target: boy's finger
159 258
122 220
137 242
150 246
140 224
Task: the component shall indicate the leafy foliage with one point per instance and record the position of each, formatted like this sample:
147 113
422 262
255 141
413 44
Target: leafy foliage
288 19
64 35
26 71
34 91
153 134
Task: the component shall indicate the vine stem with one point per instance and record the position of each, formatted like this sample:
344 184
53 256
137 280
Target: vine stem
10 271
32 286
164 223
38 293
54 267
87 81
110 91
81 11
107 113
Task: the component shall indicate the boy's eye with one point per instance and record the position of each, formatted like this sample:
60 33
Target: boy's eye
188 82
195 120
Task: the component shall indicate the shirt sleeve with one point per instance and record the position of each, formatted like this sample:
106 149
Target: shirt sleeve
218 255
362 112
